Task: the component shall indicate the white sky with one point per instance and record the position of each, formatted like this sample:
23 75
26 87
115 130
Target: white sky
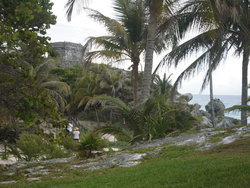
226 79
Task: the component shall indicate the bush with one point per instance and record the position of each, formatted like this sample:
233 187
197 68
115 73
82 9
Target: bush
54 151
90 141
31 146
69 143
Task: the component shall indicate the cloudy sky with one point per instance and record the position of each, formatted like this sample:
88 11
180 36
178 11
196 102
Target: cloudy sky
227 78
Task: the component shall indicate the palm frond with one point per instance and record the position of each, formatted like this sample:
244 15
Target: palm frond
61 87
72 4
106 54
107 42
200 63
113 26
194 45
117 103
240 108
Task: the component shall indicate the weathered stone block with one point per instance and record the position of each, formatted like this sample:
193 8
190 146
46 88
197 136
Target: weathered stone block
70 53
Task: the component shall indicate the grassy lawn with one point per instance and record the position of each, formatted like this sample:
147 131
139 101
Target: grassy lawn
177 167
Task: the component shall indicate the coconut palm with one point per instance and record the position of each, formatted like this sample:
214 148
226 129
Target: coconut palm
223 25
125 41
160 22
127 36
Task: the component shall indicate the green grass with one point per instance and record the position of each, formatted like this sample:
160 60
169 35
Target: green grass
177 167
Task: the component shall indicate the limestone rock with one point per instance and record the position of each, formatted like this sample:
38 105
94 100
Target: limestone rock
219 107
196 109
206 122
188 96
223 122
183 98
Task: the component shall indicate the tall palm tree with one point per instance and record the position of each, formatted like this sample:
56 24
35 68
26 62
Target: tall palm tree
223 25
128 36
125 41
159 10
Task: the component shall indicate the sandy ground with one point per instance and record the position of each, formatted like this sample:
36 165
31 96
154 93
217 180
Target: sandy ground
11 159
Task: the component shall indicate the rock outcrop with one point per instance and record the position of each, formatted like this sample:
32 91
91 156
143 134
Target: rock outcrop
219 107
221 121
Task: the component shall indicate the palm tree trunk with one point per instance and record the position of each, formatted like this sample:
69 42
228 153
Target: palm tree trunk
244 92
211 95
135 83
146 83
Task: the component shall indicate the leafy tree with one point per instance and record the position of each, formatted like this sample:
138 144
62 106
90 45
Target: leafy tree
23 43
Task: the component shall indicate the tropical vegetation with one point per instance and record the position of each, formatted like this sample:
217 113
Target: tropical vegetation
38 96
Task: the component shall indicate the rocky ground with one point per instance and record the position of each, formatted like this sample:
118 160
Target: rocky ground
203 140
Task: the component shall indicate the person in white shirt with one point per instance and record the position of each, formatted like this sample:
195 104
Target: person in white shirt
76 134
69 128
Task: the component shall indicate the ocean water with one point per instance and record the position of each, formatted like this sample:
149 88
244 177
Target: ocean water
228 100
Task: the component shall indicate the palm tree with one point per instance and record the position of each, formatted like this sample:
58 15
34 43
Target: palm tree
158 10
223 25
125 41
57 90
162 86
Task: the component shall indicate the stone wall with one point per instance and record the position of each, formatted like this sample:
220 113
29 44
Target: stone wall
70 53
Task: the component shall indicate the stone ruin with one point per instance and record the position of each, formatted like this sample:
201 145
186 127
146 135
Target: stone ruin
70 54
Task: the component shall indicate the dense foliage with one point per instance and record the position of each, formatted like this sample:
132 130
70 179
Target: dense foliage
23 45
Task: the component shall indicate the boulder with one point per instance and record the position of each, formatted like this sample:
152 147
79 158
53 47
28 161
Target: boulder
206 122
219 107
183 98
223 122
187 96
205 113
196 109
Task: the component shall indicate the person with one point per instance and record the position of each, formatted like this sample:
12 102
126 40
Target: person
69 127
76 134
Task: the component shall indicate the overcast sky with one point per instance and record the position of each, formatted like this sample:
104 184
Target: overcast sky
227 77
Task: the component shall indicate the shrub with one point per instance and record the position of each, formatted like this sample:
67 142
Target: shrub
69 143
90 141
31 146
54 151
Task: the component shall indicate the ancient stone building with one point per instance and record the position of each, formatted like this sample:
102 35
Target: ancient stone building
70 53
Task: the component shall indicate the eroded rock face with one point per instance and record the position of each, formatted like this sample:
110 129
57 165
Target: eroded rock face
219 107
224 122
221 121
188 96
